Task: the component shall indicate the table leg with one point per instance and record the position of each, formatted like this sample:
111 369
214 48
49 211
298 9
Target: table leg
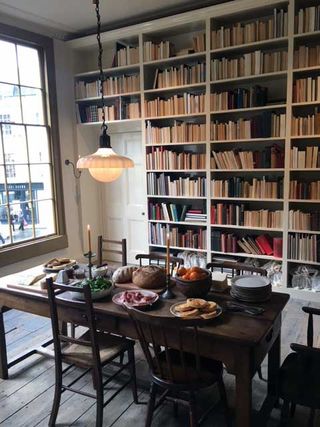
243 392
274 366
3 350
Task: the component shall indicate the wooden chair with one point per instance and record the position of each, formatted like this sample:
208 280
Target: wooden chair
299 380
176 373
102 249
155 258
91 351
237 268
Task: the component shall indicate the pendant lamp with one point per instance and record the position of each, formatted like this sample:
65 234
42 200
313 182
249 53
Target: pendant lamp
104 165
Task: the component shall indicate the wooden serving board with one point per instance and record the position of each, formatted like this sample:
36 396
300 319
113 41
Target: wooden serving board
36 287
129 286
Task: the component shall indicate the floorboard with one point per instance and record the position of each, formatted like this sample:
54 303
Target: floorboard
26 398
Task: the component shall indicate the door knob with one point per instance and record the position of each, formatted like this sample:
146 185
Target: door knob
142 213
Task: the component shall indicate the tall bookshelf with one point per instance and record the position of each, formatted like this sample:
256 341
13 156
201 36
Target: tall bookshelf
224 101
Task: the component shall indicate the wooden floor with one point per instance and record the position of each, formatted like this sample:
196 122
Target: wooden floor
26 398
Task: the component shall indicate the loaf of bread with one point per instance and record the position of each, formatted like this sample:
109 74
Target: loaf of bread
149 277
123 274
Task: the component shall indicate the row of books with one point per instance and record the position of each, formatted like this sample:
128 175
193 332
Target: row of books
164 185
111 86
195 239
160 158
307 20
306 90
177 104
249 64
303 247
86 89
255 96
304 190
175 212
233 214
263 188
307 125
264 125
118 111
179 132
305 56
256 245
299 220
270 157
242 33
308 158
161 50
127 55
178 76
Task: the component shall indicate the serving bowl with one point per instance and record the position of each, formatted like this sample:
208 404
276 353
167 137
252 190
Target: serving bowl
197 288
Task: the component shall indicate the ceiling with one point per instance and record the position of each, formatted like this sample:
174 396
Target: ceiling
68 18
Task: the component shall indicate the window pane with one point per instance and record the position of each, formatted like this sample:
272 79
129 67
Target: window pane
18 183
8 69
38 144
43 217
21 230
41 181
15 145
32 106
10 110
29 67
1 151
3 194
4 226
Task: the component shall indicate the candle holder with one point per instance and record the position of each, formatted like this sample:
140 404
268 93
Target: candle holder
168 294
90 255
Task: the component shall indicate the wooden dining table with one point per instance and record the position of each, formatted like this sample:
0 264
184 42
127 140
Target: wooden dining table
238 340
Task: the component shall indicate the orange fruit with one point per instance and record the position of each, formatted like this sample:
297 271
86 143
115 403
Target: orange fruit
182 271
194 275
196 269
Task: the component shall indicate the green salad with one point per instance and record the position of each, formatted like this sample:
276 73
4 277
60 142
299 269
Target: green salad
97 285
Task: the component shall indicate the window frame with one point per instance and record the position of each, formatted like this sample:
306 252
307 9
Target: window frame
38 246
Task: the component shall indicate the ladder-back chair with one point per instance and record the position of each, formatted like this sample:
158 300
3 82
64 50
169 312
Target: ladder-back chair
154 258
107 246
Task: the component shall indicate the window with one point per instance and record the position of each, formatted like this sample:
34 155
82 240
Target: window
30 211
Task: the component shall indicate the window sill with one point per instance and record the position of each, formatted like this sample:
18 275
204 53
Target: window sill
32 249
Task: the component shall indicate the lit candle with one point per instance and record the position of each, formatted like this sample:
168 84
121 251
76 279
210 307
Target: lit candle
89 237
168 254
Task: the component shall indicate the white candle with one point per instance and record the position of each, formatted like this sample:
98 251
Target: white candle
89 237
168 253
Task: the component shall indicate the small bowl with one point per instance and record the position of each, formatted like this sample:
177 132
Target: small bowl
194 288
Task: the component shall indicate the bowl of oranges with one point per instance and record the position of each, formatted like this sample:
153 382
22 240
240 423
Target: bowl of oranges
194 282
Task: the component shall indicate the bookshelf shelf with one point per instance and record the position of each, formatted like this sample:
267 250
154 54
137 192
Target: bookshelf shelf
173 59
176 88
253 78
260 44
276 87
300 261
242 254
199 224
243 227
180 248
249 110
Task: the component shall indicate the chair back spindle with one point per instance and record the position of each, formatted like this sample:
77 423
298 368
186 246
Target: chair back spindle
106 246
159 259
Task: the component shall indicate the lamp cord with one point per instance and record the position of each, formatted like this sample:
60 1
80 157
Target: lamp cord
101 74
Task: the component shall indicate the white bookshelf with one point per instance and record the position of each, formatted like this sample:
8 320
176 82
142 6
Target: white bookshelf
180 29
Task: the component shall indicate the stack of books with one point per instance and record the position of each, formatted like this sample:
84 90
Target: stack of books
305 56
304 190
255 31
232 214
160 158
195 239
305 159
121 84
265 125
164 185
85 89
127 55
179 132
249 64
306 125
120 110
299 220
256 245
177 104
153 51
255 96
195 215
303 247
307 89
167 211
307 20
270 157
179 76
263 188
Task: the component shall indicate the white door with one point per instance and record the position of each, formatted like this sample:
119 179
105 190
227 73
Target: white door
124 200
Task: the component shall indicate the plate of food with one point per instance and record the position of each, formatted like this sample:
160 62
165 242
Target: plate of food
57 264
196 308
139 298
100 287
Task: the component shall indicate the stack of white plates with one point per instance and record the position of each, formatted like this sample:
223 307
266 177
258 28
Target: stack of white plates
251 288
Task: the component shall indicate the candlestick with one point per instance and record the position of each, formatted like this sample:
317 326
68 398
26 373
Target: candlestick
89 238
168 294
168 254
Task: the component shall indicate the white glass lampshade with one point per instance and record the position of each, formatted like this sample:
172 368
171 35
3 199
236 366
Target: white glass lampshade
105 165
